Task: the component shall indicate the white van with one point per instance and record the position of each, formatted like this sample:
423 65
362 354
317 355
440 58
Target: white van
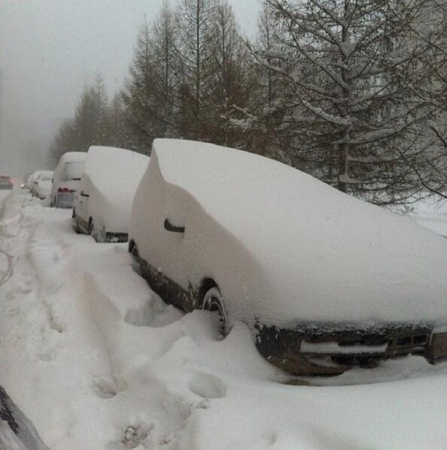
67 178
103 202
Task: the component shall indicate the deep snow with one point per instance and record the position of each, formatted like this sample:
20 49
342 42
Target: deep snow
97 361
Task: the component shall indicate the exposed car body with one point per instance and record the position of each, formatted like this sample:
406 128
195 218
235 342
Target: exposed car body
17 432
41 184
103 203
67 178
6 182
323 280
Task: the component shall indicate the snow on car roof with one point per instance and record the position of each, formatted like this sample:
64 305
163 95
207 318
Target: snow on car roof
74 156
322 250
46 174
43 174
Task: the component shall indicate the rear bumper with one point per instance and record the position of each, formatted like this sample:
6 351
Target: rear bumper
64 200
330 349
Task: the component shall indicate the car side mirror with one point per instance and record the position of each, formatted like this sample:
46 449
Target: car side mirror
174 229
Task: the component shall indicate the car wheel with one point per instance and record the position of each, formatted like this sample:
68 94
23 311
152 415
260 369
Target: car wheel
91 227
213 301
75 223
134 250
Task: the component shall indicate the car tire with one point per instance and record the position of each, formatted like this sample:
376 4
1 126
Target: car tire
91 227
134 251
213 301
75 223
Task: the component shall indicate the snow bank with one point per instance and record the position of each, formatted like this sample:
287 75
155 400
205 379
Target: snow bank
94 358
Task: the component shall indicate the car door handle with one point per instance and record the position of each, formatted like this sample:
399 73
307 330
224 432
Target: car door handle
174 229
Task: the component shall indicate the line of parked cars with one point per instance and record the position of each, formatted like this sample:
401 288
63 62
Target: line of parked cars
323 281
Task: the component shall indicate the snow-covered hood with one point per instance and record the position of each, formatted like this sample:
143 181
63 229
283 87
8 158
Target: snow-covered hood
321 254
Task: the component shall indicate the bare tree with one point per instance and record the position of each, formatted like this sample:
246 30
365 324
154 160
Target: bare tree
431 29
229 85
139 91
89 126
195 18
349 66
166 77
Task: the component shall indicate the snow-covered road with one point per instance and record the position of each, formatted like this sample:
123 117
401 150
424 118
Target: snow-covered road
97 361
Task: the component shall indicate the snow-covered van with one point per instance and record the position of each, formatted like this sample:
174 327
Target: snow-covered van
104 200
66 180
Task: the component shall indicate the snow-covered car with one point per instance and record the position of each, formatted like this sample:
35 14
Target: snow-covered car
67 178
41 184
324 281
104 200
6 182
25 180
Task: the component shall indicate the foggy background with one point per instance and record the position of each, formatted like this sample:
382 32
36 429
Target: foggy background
50 49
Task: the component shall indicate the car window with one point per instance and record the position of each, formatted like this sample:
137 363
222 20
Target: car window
72 171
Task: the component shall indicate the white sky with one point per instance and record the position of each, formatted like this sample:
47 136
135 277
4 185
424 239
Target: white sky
49 49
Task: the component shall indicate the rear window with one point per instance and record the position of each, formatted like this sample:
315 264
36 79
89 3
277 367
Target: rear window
72 171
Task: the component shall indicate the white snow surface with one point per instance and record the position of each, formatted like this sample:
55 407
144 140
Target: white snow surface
111 176
432 214
282 244
98 362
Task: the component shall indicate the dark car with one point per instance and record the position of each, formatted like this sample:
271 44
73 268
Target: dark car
324 281
6 182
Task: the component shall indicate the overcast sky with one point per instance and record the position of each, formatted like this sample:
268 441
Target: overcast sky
50 49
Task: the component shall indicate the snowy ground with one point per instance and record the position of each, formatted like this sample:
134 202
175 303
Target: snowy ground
97 361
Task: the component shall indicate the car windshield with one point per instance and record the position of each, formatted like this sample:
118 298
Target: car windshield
46 176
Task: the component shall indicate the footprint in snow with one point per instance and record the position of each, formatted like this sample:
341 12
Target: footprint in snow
107 387
13 312
13 293
207 386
